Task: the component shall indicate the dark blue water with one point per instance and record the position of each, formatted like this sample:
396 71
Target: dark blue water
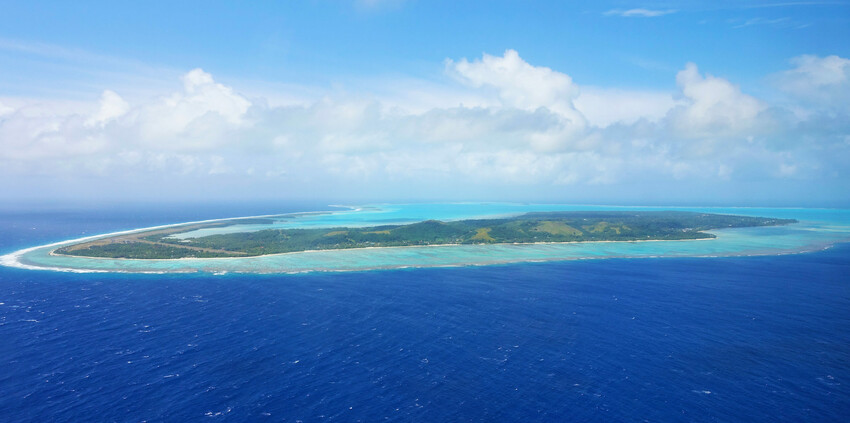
722 339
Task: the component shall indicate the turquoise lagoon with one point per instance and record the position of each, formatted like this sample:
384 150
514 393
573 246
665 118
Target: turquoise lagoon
817 229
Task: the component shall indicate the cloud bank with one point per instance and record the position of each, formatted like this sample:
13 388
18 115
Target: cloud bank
639 13
528 128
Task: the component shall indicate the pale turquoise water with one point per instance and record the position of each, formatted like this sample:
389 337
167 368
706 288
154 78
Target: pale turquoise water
817 229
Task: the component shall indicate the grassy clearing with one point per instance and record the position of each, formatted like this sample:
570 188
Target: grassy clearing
556 228
483 234
601 227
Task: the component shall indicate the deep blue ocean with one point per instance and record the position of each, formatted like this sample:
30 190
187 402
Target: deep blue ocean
751 339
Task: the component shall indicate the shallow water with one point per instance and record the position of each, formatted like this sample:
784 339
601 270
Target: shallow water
817 229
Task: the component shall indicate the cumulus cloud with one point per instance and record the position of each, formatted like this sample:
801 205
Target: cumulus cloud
521 85
527 126
518 83
199 117
822 81
111 107
5 110
713 106
195 118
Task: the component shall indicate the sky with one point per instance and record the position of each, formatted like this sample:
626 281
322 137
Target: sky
608 102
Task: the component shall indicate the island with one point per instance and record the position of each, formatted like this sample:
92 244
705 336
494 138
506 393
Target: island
534 227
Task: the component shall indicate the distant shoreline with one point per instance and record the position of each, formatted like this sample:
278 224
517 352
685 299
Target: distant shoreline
52 252
270 238
362 258
810 249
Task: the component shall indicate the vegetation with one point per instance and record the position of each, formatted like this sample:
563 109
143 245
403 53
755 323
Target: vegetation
140 250
528 228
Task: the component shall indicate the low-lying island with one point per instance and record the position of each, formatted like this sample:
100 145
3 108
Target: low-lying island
534 227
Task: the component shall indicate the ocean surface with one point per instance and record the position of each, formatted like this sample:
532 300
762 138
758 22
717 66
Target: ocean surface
717 339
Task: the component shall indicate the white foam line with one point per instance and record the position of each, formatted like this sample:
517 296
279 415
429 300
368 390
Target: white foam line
14 259
424 266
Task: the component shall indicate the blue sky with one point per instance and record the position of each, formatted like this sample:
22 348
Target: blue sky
720 102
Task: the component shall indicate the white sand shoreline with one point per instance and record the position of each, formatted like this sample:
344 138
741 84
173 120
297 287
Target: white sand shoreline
53 252
14 259
219 272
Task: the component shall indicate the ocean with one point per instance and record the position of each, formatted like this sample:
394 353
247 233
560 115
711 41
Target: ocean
716 339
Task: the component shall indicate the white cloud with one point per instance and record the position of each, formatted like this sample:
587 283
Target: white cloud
518 83
111 107
198 117
521 85
822 81
759 21
822 71
526 125
416 96
603 107
713 107
639 13
203 95
5 110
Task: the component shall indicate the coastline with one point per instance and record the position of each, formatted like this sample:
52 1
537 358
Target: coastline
53 252
13 259
809 249
4 258
395 257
